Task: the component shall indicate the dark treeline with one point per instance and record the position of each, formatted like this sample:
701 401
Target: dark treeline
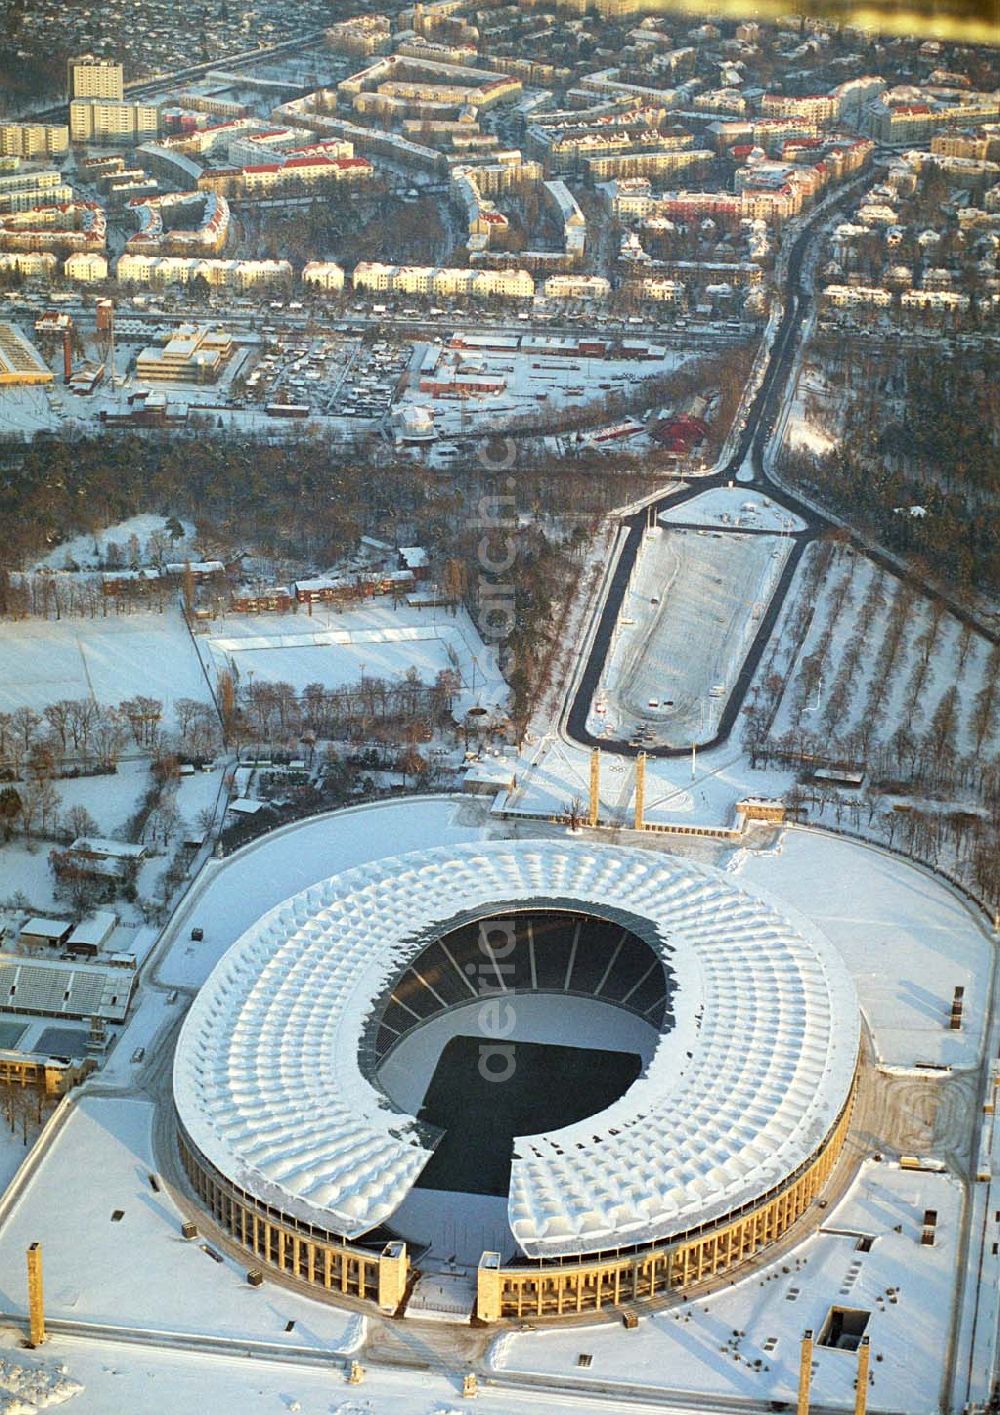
305 502
922 432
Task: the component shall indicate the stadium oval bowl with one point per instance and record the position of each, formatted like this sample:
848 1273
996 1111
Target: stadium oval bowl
720 1145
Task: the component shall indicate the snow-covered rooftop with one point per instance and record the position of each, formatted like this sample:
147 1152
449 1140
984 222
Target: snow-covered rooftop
739 1093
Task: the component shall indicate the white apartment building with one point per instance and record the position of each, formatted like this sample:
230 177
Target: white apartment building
33 139
323 275
669 292
181 270
110 120
85 267
656 162
20 191
815 108
577 287
444 281
939 301
364 34
573 219
30 263
853 296
87 77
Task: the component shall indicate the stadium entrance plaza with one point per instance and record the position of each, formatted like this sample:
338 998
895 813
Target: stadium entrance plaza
907 940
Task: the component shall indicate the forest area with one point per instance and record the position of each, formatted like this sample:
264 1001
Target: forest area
304 507
916 461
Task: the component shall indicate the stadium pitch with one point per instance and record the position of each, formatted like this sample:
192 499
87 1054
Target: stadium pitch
550 1086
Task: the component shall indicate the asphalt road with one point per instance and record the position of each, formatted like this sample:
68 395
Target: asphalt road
761 421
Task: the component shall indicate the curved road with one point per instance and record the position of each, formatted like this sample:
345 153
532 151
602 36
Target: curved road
751 442
751 445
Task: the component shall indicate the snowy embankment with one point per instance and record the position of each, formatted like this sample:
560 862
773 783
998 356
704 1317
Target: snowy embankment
27 1385
167 1285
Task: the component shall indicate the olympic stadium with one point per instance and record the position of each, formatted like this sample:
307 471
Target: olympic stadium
582 1075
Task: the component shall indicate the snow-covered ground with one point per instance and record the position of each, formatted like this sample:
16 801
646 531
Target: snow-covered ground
12 1151
25 872
126 1380
28 1384
712 1345
815 414
25 411
905 699
554 772
86 551
230 895
804 435
536 387
137 1270
110 799
685 626
732 506
908 940
108 660
336 647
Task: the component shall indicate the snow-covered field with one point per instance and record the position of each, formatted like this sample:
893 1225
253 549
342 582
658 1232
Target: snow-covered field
932 658
553 773
137 1271
108 660
907 939
685 626
12 1152
127 1380
336 648
816 413
537 387
713 1345
25 411
25 870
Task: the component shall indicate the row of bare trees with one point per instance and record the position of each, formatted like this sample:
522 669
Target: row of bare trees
276 714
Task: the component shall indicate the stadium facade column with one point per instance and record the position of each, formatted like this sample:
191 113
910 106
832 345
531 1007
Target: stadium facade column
489 1288
861 1389
595 786
393 1269
640 791
36 1300
805 1373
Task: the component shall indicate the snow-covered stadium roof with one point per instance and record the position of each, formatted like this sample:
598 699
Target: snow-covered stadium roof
738 1095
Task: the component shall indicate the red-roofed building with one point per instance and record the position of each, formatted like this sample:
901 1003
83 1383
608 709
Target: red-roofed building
681 434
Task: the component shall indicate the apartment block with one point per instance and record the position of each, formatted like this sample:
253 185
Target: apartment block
87 77
111 120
